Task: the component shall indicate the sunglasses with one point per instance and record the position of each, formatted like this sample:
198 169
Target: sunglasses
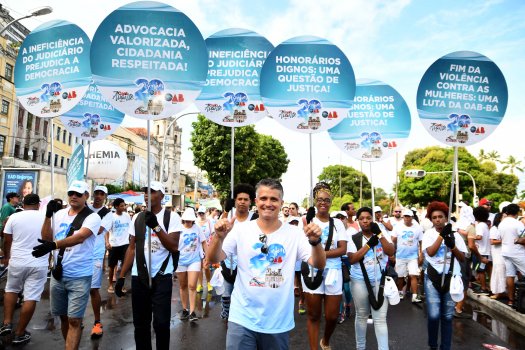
397 211
73 193
263 238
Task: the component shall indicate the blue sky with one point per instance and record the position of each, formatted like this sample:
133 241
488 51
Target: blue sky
391 40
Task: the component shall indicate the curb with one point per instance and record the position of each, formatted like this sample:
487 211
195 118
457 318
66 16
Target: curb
498 307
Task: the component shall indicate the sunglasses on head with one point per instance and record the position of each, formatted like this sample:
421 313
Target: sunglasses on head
73 193
262 239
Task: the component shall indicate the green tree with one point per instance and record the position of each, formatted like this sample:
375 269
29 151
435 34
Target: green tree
489 182
482 156
349 178
337 202
256 156
512 164
493 156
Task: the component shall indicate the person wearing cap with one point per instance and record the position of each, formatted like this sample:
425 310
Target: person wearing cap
191 240
70 294
384 223
441 247
151 302
8 209
100 194
487 204
407 238
25 273
117 239
261 314
206 227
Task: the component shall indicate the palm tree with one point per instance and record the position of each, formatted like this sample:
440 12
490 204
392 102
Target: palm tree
482 156
512 164
493 156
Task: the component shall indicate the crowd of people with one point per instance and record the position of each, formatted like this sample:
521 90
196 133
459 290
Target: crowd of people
259 255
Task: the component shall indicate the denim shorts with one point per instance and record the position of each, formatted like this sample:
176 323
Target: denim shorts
96 279
70 296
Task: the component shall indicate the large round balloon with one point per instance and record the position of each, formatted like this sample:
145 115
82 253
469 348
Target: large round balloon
462 98
307 84
149 60
107 161
231 96
377 124
93 118
52 68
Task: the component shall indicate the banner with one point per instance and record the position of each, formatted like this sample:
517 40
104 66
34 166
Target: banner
307 84
149 60
231 95
20 181
462 98
377 124
93 118
52 68
75 168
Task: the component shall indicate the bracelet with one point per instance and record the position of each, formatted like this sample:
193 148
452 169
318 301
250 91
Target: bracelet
367 246
313 244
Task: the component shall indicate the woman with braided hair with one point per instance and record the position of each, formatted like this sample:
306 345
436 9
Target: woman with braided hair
330 287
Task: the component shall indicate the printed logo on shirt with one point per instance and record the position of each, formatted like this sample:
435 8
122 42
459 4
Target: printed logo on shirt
63 229
120 228
190 241
408 238
324 238
369 256
264 267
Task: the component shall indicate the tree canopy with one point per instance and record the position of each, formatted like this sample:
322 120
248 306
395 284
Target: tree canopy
490 183
256 156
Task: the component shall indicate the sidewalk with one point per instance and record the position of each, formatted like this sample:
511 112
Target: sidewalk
498 307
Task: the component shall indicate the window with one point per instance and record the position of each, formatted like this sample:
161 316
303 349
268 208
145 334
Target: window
29 121
43 158
61 162
56 159
67 163
21 112
35 154
69 139
175 139
26 153
158 130
17 150
58 134
48 158
5 107
37 125
64 134
8 72
44 132
2 144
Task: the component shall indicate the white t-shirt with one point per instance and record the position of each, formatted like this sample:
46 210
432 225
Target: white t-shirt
207 228
495 249
119 231
158 251
190 245
26 227
262 299
408 239
231 260
100 243
379 259
338 235
482 229
78 260
438 260
510 229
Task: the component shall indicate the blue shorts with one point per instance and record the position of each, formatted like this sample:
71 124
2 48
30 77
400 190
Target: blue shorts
69 296
96 279
239 337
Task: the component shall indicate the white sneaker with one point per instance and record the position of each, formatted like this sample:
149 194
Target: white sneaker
416 299
401 295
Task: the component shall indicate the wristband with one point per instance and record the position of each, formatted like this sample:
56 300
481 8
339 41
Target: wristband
367 246
315 243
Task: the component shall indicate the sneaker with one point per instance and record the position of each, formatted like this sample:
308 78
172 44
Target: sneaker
210 288
124 290
401 295
341 318
199 288
22 339
324 347
96 331
416 299
193 317
111 290
302 309
184 315
6 329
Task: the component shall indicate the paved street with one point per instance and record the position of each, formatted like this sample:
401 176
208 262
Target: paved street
407 328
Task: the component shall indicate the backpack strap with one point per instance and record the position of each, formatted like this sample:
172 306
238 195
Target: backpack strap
103 212
140 237
75 226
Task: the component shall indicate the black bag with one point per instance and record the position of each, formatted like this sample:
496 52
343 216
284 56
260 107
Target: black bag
374 303
58 270
140 237
314 283
436 277
346 273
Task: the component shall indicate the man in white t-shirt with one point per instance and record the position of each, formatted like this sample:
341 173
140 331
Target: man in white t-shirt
117 239
407 238
70 294
155 298
512 232
261 312
25 273
397 218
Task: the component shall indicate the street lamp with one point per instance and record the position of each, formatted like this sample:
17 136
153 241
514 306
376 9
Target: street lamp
40 11
416 173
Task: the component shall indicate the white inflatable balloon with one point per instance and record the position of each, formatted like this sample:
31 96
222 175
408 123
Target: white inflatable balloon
107 161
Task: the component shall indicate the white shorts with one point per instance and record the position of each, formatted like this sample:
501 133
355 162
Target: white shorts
96 279
513 264
31 280
196 267
334 289
405 267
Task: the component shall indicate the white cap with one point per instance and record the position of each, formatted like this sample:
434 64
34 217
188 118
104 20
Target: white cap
293 218
461 204
202 209
335 213
407 212
456 288
155 186
79 187
391 292
101 188
188 215
377 208
503 205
